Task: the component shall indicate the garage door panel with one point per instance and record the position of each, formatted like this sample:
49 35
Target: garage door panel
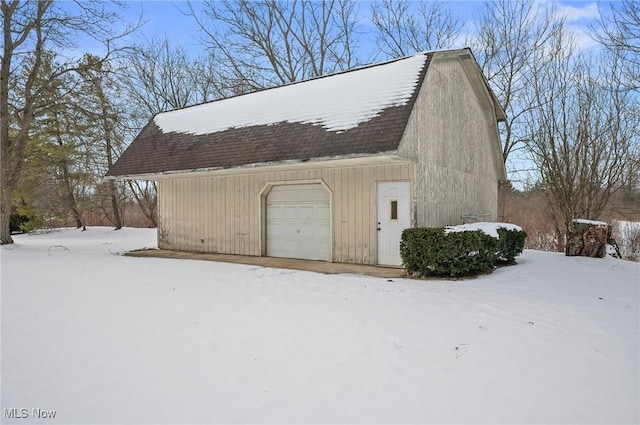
275 213
289 230
322 213
275 245
289 212
321 195
322 231
274 229
306 213
322 251
306 248
307 195
306 231
298 222
275 197
283 247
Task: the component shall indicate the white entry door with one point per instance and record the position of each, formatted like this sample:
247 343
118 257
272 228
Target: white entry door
393 217
298 222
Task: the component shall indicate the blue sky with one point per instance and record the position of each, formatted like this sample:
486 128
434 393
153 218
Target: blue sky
169 17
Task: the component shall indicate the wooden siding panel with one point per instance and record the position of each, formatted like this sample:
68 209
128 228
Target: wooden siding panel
352 224
368 217
215 216
179 218
344 215
358 216
450 134
204 204
223 214
252 232
163 198
222 217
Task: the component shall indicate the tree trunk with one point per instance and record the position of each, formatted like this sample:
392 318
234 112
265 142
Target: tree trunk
5 215
12 148
69 196
117 220
587 239
75 213
146 199
108 127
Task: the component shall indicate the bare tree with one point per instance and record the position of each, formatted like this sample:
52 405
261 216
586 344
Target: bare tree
28 28
146 195
405 27
251 45
511 44
619 32
585 134
156 77
266 43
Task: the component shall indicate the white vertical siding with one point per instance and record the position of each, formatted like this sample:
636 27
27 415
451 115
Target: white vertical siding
224 214
452 135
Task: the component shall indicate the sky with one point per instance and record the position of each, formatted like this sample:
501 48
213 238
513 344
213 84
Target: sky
171 18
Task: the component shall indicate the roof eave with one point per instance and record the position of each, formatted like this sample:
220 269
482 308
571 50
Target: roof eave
467 55
319 162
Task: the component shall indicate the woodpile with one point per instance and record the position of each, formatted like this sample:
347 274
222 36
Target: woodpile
587 239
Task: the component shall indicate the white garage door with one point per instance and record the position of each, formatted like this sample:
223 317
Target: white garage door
298 222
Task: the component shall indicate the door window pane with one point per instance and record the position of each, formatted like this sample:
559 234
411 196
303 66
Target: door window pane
394 210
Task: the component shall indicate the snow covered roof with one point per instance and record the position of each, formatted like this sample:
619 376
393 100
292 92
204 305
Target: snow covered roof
336 103
360 112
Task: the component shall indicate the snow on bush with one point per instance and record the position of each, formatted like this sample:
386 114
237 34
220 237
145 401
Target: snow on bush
488 228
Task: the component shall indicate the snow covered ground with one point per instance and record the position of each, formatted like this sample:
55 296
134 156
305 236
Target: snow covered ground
102 338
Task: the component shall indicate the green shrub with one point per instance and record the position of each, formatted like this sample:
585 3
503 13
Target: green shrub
20 222
431 252
510 244
438 252
16 221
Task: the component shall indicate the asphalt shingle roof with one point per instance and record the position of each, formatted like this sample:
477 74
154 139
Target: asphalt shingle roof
167 142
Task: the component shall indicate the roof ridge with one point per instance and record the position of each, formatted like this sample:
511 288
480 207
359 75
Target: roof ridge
315 78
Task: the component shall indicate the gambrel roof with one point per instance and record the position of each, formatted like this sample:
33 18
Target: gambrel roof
362 111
